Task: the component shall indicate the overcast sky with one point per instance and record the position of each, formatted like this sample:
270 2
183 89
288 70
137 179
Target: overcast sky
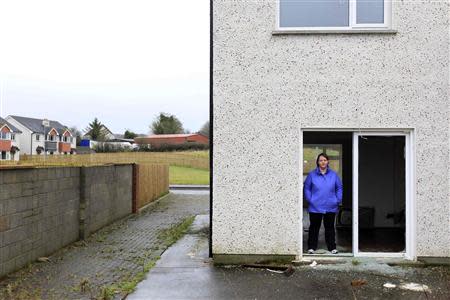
121 61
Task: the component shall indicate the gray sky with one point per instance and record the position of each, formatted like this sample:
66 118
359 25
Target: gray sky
121 61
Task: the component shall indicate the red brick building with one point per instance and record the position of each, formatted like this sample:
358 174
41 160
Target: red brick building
171 139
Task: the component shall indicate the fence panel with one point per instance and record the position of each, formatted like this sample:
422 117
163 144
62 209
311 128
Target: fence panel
192 159
152 181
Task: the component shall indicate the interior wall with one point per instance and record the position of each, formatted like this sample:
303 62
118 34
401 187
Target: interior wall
382 178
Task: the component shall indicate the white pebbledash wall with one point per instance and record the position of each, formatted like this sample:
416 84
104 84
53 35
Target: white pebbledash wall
267 87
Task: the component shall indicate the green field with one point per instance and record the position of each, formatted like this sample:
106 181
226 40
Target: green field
189 176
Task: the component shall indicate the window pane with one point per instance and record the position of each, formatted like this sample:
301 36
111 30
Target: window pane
369 11
314 13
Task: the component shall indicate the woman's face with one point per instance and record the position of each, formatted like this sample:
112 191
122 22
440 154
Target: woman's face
323 162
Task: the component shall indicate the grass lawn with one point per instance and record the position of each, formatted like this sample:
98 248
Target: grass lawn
183 175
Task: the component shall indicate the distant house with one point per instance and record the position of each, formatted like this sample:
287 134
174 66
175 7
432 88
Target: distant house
109 139
107 134
37 138
172 139
9 146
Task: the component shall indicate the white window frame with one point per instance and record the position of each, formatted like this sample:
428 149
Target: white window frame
353 26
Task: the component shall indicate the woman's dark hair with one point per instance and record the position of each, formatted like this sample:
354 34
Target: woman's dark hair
318 156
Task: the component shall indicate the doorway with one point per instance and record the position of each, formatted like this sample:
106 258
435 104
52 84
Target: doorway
375 217
338 147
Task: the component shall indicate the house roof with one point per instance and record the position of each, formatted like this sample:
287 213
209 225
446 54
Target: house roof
105 130
35 125
12 127
168 136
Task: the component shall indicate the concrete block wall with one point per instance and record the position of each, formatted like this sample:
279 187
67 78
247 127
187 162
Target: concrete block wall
108 195
38 214
43 210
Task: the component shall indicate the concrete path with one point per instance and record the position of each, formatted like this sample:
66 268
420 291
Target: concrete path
185 272
114 254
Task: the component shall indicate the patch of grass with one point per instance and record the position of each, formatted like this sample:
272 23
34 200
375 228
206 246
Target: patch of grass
183 175
355 262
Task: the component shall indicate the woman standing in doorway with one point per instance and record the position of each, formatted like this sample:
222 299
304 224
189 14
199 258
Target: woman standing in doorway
323 191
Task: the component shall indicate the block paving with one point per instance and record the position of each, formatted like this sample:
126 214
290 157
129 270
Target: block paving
112 254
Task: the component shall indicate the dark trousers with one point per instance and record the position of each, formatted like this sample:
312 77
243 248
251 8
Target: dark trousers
315 220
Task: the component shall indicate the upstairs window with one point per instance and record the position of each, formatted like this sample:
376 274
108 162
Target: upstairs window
38 137
333 14
4 135
13 137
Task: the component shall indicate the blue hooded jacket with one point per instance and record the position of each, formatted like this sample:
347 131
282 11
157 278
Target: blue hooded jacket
323 191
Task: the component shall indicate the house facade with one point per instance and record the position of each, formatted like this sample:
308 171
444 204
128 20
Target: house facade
365 82
9 141
39 137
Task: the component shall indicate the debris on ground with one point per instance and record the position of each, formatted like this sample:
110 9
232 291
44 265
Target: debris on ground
417 287
313 264
358 282
389 285
43 259
289 271
275 271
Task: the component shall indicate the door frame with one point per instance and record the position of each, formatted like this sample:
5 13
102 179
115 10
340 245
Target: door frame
409 201
410 186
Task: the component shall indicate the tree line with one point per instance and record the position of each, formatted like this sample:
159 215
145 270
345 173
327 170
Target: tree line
163 123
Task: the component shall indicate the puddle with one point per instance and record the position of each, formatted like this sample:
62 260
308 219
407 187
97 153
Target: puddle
189 192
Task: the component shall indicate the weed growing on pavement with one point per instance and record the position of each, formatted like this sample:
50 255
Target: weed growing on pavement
108 292
173 234
147 261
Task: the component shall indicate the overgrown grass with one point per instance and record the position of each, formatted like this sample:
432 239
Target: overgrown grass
189 176
166 238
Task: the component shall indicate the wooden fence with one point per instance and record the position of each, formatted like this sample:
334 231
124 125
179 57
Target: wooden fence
192 159
150 183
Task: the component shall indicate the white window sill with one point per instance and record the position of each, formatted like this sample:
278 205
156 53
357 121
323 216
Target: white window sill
335 31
